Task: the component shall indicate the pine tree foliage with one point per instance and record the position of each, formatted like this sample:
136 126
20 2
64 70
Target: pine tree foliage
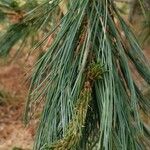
92 101
30 23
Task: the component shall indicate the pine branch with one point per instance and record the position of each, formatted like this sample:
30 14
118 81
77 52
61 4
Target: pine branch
75 127
78 104
88 32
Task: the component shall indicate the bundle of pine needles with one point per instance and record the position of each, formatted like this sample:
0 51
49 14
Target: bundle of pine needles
91 98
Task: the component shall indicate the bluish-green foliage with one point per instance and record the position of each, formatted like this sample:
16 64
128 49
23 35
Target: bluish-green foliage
85 79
